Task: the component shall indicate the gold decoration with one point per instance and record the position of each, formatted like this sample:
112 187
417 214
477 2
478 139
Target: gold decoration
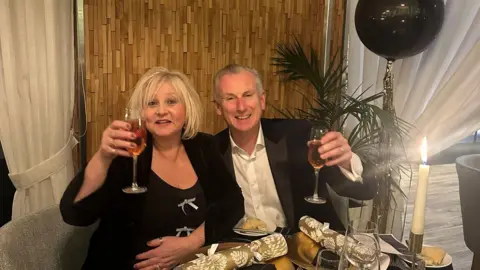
261 250
330 239
382 201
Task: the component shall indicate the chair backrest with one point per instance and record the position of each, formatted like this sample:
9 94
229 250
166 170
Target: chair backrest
42 240
468 170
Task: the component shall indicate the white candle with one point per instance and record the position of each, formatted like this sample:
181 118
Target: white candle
421 198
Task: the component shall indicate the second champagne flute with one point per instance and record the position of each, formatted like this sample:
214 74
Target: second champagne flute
361 246
134 118
315 160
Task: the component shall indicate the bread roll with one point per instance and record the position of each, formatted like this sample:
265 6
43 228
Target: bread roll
433 255
304 247
254 224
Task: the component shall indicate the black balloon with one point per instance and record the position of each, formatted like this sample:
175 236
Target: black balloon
396 29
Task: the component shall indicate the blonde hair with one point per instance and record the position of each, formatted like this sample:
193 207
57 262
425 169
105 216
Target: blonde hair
148 84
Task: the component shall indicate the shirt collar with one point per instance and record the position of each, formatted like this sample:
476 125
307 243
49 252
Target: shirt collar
260 140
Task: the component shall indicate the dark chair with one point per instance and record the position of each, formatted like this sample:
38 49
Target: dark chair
468 170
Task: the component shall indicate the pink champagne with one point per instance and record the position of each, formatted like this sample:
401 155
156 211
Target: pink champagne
314 157
140 140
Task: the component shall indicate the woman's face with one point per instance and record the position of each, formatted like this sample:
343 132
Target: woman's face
165 113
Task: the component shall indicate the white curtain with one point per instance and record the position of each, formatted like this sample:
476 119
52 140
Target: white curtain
36 99
438 90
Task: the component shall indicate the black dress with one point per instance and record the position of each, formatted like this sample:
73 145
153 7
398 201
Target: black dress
185 209
128 221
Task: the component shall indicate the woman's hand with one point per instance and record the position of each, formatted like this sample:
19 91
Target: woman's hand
115 142
116 139
166 252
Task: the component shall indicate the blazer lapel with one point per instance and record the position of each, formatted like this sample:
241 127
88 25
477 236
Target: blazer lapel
278 159
225 148
229 160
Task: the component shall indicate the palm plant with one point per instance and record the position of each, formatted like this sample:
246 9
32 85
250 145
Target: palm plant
332 106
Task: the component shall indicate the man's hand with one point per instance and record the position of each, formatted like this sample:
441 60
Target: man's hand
166 252
335 148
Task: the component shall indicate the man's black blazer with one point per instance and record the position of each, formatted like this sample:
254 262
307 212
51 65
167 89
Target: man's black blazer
286 146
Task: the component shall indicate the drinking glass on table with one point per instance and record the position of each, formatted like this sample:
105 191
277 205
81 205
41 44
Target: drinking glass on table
410 261
417 262
316 134
134 118
361 246
327 260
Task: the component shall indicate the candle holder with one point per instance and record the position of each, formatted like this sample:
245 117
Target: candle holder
415 243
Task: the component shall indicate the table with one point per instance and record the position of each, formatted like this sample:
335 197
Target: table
233 240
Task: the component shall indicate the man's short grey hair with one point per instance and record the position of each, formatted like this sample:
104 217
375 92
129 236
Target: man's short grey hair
235 69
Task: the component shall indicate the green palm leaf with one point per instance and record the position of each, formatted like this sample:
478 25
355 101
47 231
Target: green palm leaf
331 105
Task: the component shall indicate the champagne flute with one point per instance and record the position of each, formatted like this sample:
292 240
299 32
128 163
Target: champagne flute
316 134
137 126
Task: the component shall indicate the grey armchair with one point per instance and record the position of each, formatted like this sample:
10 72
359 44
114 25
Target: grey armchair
468 170
43 241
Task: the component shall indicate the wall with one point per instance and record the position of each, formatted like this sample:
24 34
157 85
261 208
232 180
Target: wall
123 38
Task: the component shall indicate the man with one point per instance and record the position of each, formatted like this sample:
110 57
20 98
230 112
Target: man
269 157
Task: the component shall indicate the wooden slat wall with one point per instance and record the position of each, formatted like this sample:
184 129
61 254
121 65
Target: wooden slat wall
123 38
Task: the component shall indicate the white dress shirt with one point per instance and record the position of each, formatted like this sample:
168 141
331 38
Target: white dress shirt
254 176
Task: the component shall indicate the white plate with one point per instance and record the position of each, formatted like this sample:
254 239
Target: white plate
447 261
255 234
384 261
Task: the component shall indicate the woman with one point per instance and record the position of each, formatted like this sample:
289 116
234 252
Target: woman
192 199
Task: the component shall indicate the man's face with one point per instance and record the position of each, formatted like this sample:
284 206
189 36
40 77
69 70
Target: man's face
239 102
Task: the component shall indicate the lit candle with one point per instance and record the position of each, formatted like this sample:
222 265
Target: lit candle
418 221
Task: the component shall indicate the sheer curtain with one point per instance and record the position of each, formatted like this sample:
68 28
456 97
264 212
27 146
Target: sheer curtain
438 90
36 99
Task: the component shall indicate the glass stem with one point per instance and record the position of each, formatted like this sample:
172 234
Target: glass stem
315 191
134 181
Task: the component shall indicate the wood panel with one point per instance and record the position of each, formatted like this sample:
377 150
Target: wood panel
123 38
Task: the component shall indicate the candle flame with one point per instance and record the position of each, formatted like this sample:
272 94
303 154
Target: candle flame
423 150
